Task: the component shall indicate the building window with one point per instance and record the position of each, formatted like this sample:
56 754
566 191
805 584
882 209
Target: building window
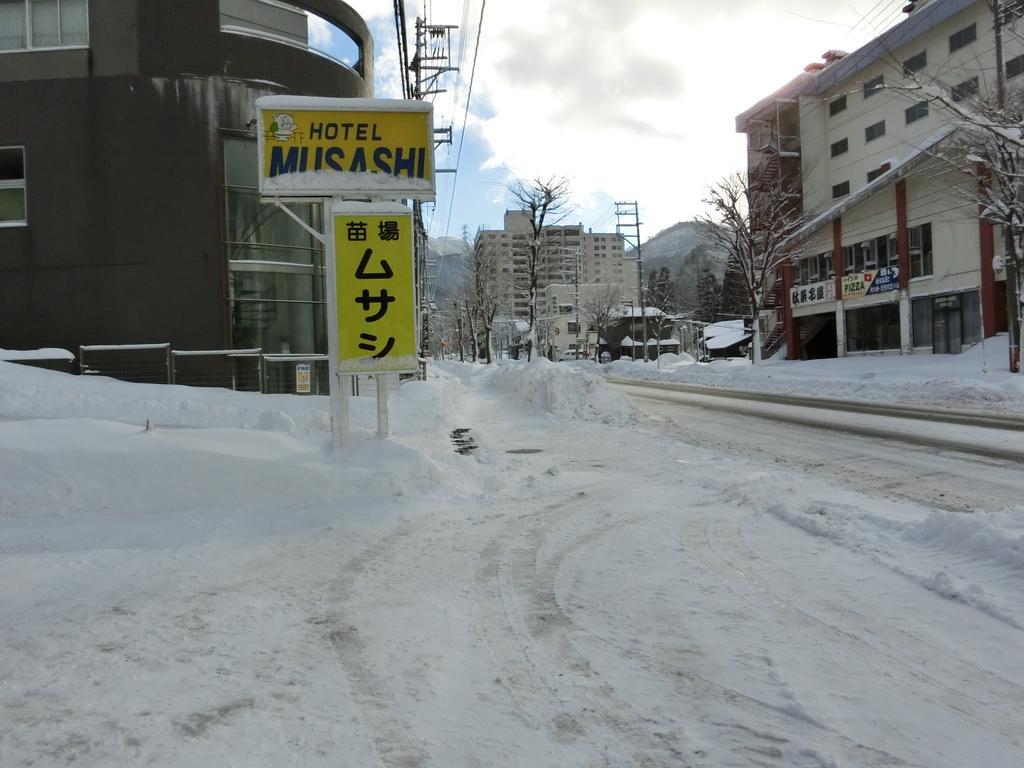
840 190
916 112
965 89
836 106
30 24
873 329
873 86
853 259
12 186
920 250
276 268
915 63
872 175
840 147
872 132
947 323
965 36
1015 66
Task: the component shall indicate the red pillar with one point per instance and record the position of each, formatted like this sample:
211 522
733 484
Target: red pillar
902 234
793 348
837 255
987 249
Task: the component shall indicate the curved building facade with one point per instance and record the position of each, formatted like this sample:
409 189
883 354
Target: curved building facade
128 204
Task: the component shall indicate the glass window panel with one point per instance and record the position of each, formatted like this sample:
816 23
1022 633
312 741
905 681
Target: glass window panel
240 163
13 27
250 221
12 204
971 317
12 164
74 22
45 24
922 311
277 312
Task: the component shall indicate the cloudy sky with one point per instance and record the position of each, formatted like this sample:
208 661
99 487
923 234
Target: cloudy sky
629 100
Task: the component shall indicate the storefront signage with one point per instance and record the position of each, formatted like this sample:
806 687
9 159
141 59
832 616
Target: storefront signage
376 311
871 281
815 293
367 148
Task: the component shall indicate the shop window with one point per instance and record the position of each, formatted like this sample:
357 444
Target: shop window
963 37
836 106
916 112
12 186
31 24
947 323
873 329
920 238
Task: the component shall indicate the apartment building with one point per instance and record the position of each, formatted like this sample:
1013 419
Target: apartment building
129 212
571 255
892 256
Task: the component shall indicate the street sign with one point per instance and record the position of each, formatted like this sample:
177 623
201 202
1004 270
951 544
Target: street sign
353 148
374 288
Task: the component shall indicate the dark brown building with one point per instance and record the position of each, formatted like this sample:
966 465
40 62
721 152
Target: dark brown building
128 204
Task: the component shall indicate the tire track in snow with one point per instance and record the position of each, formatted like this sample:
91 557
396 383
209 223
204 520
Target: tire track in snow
392 739
528 640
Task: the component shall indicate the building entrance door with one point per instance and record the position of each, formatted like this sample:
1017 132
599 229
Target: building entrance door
947 330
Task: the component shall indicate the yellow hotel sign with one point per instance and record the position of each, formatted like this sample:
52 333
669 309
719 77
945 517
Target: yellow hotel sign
310 147
375 299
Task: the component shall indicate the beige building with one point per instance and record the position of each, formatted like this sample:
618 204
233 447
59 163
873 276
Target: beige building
572 256
893 257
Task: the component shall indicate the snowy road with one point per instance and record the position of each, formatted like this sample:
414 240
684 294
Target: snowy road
678 587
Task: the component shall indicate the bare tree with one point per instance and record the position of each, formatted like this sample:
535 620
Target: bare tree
661 295
598 306
750 223
545 203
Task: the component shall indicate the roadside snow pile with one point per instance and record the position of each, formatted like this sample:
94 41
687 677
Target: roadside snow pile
564 391
977 379
947 553
75 444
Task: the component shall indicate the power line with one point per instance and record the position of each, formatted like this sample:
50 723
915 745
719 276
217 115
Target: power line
465 115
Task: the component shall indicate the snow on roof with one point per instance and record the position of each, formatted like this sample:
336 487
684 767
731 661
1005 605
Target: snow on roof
725 334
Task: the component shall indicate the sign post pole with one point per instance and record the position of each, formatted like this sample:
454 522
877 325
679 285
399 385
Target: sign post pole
383 425
339 388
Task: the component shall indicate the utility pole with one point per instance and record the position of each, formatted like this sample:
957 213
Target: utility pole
431 60
1001 13
628 218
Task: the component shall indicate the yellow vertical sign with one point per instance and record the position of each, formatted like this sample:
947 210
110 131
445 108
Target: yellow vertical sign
374 293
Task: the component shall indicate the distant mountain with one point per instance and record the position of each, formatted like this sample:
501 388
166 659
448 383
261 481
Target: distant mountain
683 249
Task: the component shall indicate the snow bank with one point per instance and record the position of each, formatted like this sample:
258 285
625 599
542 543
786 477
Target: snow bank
946 553
565 391
47 353
978 378
72 445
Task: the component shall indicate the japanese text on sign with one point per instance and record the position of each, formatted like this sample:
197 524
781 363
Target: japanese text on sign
801 295
375 297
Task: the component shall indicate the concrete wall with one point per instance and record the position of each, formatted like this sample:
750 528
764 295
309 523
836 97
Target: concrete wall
124 241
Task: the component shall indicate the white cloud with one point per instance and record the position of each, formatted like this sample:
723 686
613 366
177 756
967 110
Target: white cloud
630 100
320 32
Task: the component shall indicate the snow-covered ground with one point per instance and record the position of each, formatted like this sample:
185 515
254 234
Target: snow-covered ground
592 581
976 379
